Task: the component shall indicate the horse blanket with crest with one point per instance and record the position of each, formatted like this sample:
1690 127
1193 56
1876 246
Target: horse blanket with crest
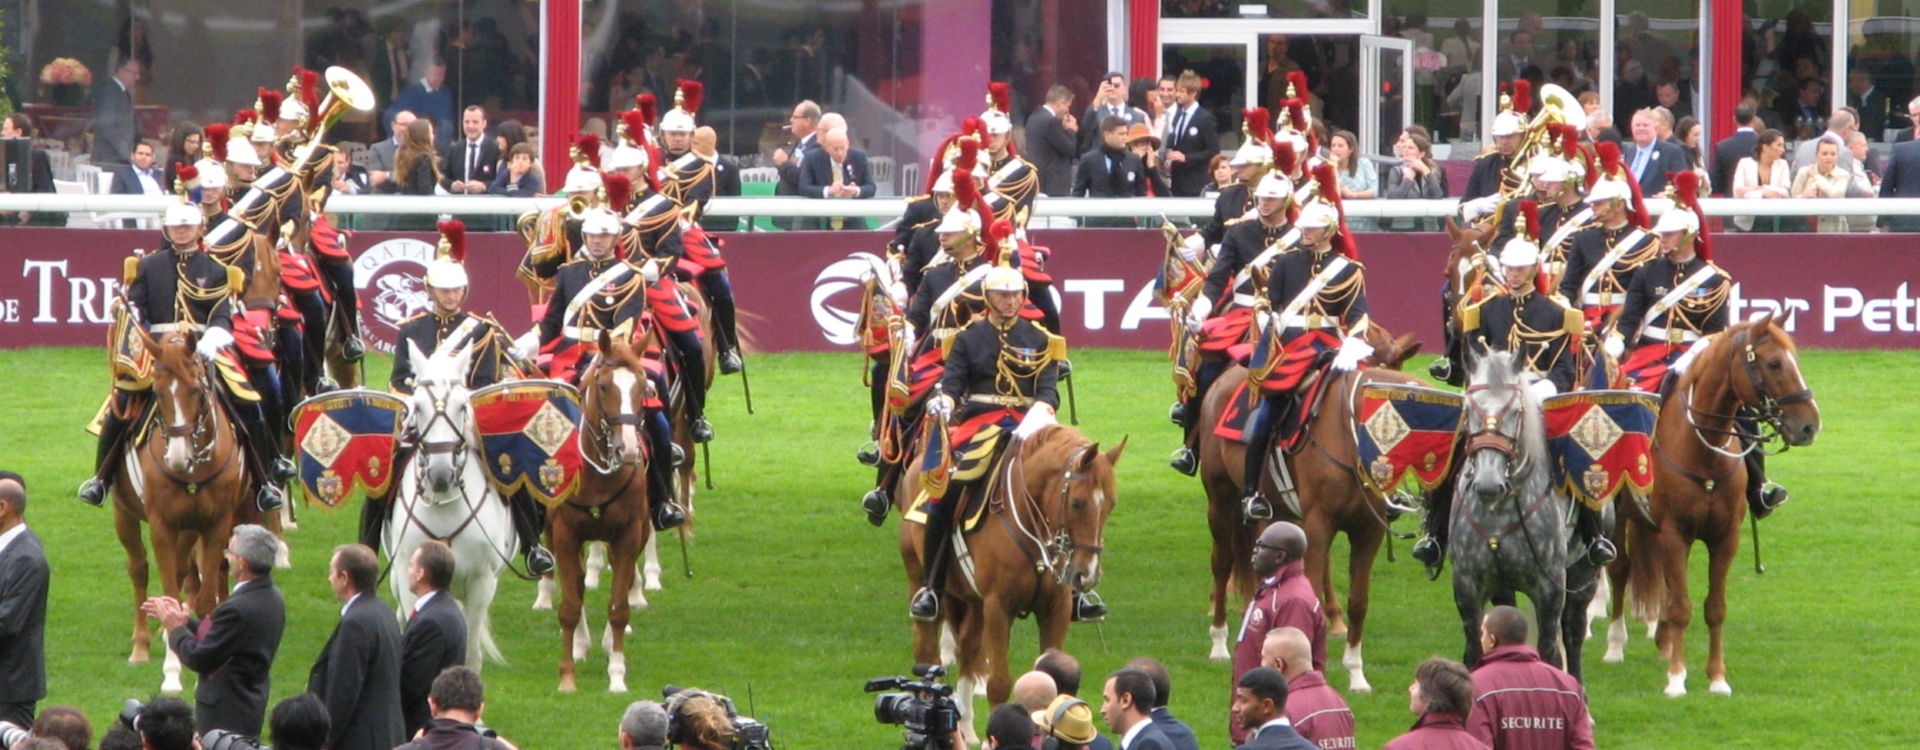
530 433
347 439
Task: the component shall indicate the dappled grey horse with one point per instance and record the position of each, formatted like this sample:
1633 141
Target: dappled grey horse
1509 528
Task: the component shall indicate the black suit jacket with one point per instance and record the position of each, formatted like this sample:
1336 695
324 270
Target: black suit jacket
23 620
358 677
1905 134
1727 155
1278 738
790 174
234 657
1090 125
1150 738
816 175
1095 179
453 162
1667 158
125 182
436 638
1902 180
726 181
1177 731
1051 149
1199 140
115 129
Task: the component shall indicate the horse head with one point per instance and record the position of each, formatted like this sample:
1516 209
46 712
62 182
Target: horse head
1773 384
1389 352
1465 260
1504 425
614 391
439 417
180 397
1073 482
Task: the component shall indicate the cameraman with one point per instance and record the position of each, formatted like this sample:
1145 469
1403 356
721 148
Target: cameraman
457 700
643 727
701 723
166 724
1009 726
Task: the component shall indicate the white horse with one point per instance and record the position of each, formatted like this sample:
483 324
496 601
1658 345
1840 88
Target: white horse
444 494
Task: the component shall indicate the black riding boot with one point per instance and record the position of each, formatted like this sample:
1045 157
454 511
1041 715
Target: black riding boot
1432 549
1184 460
667 512
1763 495
1276 413
346 308
693 378
529 518
373 518
265 444
106 458
718 289
1449 366
1600 549
939 529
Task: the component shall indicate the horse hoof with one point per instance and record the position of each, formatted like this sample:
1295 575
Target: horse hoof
567 686
1676 685
652 584
170 686
1219 638
1359 684
1614 655
617 686
137 659
1719 687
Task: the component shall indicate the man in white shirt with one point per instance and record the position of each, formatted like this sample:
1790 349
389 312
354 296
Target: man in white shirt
139 177
470 162
1125 705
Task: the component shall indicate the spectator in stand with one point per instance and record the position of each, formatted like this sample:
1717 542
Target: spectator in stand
1259 711
1314 708
506 135
1840 125
38 180
436 634
1913 116
1649 157
521 178
1902 179
1052 134
1802 113
429 97
1176 730
643 726
1191 138
115 128
1730 150
1415 177
1109 101
358 672
458 699
1600 130
1519 701
1690 135
471 160
1765 175
1220 170
182 148
1165 96
1359 178
233 648
836 171
348 178
1442 696
1284 598
726 177
1009 726
138 176
1864 182
299 723
1111 171
380 172
1824 178
23 606
1143 144
803 123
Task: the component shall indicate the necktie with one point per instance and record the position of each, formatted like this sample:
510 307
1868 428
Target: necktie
473 158
1179 127
837 222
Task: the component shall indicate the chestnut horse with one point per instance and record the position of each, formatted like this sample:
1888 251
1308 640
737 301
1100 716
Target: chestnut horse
1700 485
1039 544
186 478
1333 500
611 507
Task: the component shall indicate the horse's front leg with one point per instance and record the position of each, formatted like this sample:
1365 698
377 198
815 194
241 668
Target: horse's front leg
623 553
570 577
1720 556
1549 601
1365 547
127 527
1467 599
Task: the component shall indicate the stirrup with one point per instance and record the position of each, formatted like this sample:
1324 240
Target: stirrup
1441 369
1399 504
352 350
1601 551
668 515
1066 368
283 470
1177 414
702 430
92 492
1255 508
679 456
269 499
325 385
925 606
1772 495
1087 607
869 454
539 561
1184 461
730 362
876 504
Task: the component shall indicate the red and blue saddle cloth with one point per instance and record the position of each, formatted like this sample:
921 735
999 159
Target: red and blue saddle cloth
1602 441
1226 333
530 434
1405 430
702 251
1648 364
347 439
1299 356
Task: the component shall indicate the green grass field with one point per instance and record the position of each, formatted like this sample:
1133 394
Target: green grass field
796 599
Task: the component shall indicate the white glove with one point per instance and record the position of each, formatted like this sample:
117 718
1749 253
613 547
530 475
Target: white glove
650 271
1352 350
1189 248
1479 207
898 292
1543 389
906 337
1041 415
1198 311
212 342
940 405
1615 345
527 345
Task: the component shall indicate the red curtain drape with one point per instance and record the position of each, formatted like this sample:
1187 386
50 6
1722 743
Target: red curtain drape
560 91
1143 38
1728 21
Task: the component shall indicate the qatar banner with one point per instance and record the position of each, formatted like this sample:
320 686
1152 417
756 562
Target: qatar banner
800 291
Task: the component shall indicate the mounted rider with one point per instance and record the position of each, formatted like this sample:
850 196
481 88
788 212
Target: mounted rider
442 330
689 178
180 288
1678 302
553 235
1250 162
1602 258
652 238
1314 312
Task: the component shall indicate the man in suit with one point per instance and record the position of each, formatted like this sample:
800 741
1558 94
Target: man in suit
1109 101
1051 133
391 65
1902 180
115 130
1730 150
138 176
1191 138
358 672
1065 671
1110 171
1176 730
726 177
381 168
1260 709
836 170
1876 111
39 173
1913 116
428 96
349 178
1124 704
233 648
23 606
1649 157
469 163
804 123
436 636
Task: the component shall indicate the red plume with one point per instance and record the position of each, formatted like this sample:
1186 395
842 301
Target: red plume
1610 162
1328 183
936 166
1530 212
309 89
969 156
270 105
691 94
1686 193
648 106
1297 114
998 231
186 172
635 123
1284 160
1569 137
243 116
1299 80
1259 125
974 126
455 232
619 191
965 193
1002 96
216 136
588 147
653 172
1522 96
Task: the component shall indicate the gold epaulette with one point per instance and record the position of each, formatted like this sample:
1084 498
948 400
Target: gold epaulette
946 344
236 280
414 317
1575 321
1470 316
1056 347
130 269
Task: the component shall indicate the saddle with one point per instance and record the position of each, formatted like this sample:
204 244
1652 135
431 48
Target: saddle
971 512
1241 408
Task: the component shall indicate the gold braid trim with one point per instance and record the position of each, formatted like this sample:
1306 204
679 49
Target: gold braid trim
1013 367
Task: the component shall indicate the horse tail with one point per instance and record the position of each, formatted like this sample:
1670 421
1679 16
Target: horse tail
1646 574
1243 580
489 650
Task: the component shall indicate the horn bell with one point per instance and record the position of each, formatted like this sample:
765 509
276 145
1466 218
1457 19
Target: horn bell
349 88
1565 104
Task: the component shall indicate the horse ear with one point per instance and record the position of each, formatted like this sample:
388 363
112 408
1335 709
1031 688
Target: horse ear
1086 458
1453 229
606 342
1779 318
1405 346
1113 456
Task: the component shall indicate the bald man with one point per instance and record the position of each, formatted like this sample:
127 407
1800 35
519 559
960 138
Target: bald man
726 177
1034 691
23 607
1314 708
836 171
1285 599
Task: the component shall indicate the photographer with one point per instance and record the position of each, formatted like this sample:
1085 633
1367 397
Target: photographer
165 724
700 723
63 724
457 700
643 727
297 723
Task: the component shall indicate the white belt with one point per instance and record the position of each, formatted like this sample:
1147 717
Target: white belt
1308 321
176 327
1012 402
1670 335
580 333
1593 298
1245 300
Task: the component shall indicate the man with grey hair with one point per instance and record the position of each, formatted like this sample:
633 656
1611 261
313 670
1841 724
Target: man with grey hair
643 726
836 171
1840 125
233 648
1913 121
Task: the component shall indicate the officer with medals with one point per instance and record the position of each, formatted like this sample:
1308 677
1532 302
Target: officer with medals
1542 330
1556 185
179 288
1012 177
1000 380
444 329
689 179
601 292
1235 279
1249 163
1316 302
1602 258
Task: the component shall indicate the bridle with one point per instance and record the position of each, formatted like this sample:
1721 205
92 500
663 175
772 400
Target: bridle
1483 428
201 438
1053 546
605 426
1769 410
438 392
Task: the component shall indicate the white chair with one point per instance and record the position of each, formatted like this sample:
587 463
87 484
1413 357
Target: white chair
75 219
760 174
881 167
910 175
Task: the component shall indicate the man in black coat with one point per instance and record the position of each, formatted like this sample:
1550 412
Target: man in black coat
1730 150
358 672
1124 705
127 178
1902 180
1177 731
233 648
115 128
1051 131
834 171
1110 171
804 123
1260 705
23 606
469 163
1191 138
436 636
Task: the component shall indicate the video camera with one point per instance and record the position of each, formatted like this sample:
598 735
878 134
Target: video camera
748 734
926 708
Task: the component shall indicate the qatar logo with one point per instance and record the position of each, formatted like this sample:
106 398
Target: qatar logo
848 274
388 278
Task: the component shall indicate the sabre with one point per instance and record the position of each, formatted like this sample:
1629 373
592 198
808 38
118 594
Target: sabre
706 464
686 564
1073 404
745 386
1758 567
